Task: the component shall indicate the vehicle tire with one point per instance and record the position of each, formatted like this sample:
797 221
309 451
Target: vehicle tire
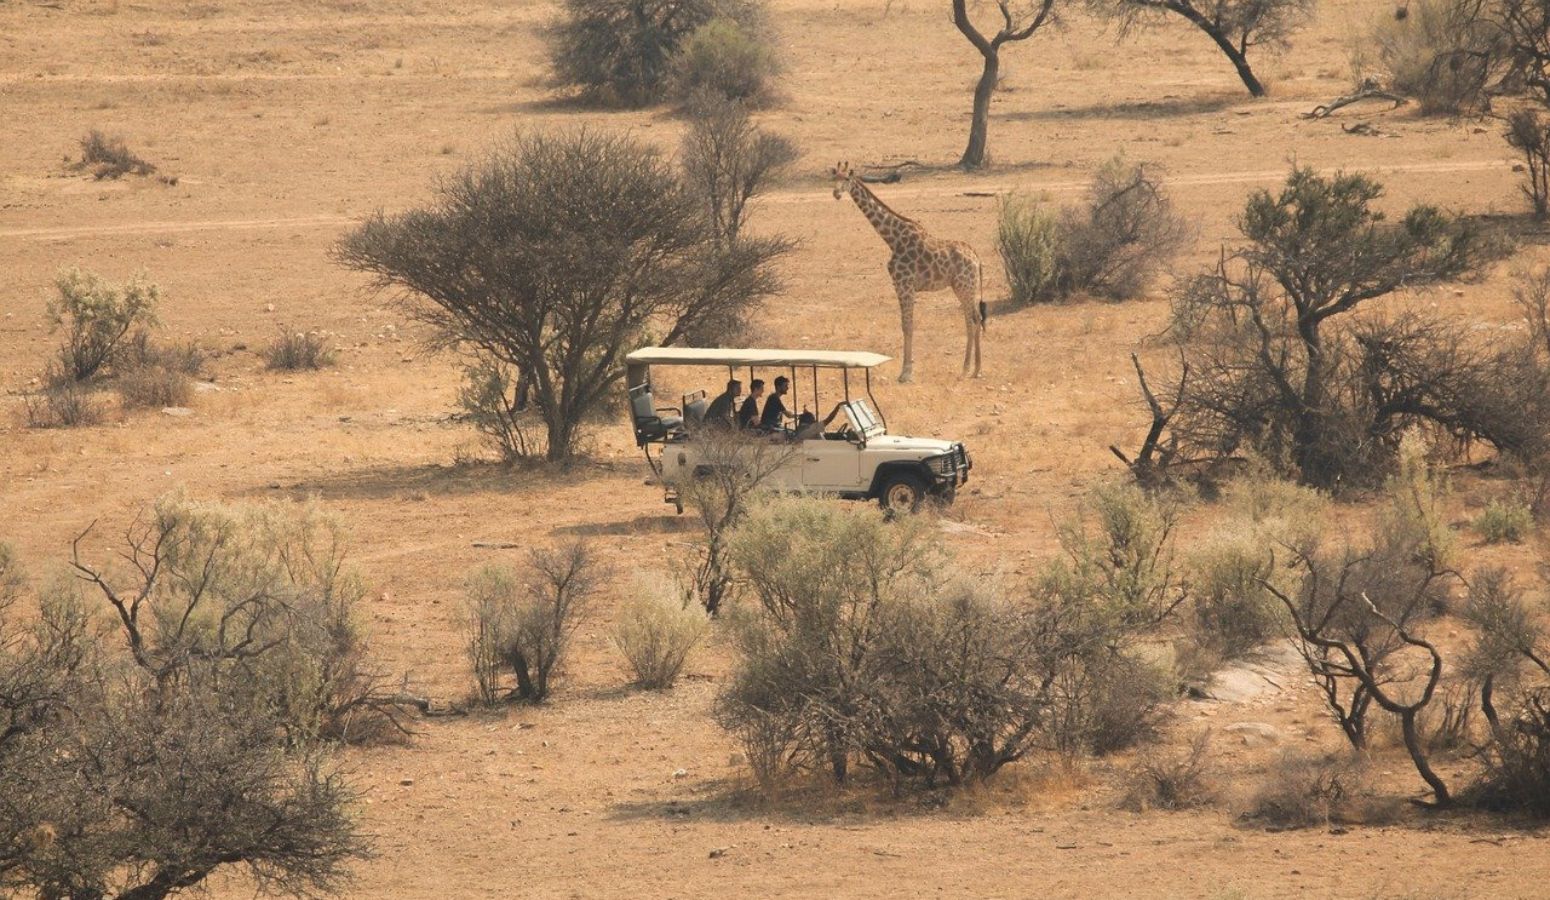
902 492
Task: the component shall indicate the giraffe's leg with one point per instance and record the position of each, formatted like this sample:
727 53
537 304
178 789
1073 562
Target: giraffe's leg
907 321
965 289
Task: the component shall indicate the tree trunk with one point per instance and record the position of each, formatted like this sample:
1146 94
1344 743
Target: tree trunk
1418 756
974 154
1239 61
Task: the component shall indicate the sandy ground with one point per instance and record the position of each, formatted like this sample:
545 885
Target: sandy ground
284 122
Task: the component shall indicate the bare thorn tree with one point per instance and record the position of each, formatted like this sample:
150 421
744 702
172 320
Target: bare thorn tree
1019 21
1351 620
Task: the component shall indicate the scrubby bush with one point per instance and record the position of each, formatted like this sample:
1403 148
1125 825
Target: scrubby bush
727 59
734 471
62 402
655 633
97 316
1442 53
1278 366
1416 517
495 403
109 158
142 767
1516 762
153 387
1172 780
1528 132
294 351
1109 247
866 647
521 623
1307 791
1029 239
263 597
1233 613
142 350
727 161
625 51
1504 522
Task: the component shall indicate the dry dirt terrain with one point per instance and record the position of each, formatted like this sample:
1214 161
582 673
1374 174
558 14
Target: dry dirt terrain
285 121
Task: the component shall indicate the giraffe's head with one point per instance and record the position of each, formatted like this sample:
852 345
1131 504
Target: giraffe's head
842 179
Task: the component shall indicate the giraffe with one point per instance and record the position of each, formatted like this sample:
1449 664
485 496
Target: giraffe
921 263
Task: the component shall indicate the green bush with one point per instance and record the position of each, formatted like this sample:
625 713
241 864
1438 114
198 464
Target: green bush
1415 516
625 51
1029 240
1233 611
726 59
494 403
1504 522
1111 246
97 317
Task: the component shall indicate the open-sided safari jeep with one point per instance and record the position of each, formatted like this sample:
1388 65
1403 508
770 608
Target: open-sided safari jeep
853 457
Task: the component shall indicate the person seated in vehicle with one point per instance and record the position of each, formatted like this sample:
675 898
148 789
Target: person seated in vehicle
809 426
775 415
748 413
719 415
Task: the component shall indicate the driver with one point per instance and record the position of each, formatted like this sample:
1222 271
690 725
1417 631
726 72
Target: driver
811 427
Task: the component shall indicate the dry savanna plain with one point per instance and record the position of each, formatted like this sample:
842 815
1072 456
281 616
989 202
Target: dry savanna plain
285 122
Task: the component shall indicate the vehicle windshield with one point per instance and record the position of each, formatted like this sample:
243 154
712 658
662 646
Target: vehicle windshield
862 419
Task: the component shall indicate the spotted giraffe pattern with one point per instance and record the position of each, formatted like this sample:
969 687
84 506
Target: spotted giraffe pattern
920 264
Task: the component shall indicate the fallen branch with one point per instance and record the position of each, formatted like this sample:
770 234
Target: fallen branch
1368 91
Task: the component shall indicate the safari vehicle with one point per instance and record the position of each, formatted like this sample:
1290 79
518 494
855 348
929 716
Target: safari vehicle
853 457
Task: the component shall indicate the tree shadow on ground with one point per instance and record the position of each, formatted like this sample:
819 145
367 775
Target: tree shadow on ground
812 801
418 482
1165 108
646 524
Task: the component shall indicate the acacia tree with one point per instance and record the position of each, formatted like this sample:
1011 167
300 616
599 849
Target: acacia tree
556 256
1236 26
1019 21
1274 360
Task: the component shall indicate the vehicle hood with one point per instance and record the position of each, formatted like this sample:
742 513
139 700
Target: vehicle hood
904 443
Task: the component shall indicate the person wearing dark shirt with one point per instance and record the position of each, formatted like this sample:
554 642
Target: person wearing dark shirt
720 412
748 413
775 415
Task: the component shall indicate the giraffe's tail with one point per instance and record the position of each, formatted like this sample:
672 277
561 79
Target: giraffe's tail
984 310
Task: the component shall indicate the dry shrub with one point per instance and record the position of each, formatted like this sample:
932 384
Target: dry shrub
262 594
727 59
97 317
1516 763
521 623
294 351
1233 612
153 387
62 403
1504 522
1311 790
142 349
1442 54
1112 702
1416 516
496 404
656 633
1110 247
1178 779
109 158
1528 132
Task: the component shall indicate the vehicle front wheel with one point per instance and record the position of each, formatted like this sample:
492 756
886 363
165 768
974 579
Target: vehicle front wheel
902 493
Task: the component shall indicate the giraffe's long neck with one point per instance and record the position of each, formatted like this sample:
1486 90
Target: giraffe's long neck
889 224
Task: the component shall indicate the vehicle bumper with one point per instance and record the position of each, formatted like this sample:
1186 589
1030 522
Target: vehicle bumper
951 469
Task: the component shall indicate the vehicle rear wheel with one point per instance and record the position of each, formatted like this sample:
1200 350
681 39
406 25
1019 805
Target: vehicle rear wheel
902 492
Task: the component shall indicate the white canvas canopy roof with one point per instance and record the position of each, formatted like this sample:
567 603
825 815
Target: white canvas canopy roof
715 356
